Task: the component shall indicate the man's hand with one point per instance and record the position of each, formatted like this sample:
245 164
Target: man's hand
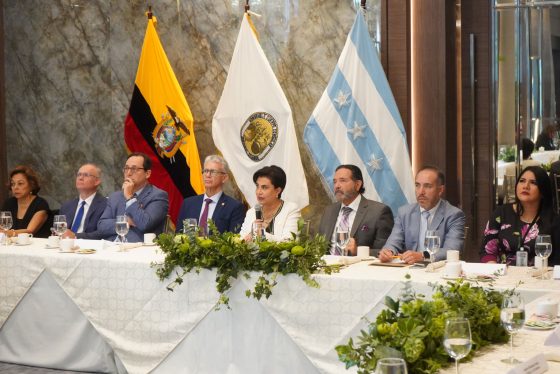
68 234
128 188
386 255
411 257
351 247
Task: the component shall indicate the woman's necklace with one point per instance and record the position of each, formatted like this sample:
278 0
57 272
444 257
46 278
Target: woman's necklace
268 217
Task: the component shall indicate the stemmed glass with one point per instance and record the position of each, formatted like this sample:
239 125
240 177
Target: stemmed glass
431 243
6 223
60 225
121 228
342 236
513 318
190 226
543 249
391 366
457 339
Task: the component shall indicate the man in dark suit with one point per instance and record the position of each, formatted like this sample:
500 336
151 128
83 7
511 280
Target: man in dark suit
144 205
370 222
430 212
83 213
226 213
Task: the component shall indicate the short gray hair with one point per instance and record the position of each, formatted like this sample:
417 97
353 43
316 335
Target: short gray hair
219 160
97 168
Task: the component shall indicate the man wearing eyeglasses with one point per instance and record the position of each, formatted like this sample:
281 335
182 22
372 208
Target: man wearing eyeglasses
83 213
144 204
226 212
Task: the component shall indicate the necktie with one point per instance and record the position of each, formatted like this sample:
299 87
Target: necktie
343 224
423 228
78 219
203 224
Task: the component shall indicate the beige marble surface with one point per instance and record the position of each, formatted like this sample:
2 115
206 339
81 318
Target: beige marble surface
71 64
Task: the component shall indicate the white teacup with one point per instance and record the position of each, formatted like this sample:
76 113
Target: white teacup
67 245
452 255
547 308
452 269
149 238
363 251
53 241
24 238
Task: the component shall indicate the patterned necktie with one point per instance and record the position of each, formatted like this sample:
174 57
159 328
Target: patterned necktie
343 224
78 219
423 228
203 224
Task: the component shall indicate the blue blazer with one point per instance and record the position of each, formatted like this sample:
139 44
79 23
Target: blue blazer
91 219
148 212
228 215
448 221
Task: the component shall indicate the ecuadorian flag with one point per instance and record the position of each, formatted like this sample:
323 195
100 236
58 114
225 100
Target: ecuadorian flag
159 123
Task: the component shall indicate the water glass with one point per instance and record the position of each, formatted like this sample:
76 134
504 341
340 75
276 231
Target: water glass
60 225
6 223
121 228
431 243
258 231
512 316
543 249
457 339
190 226
342 236
391 366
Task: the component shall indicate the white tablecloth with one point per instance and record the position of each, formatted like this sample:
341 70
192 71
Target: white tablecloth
545 157
131 323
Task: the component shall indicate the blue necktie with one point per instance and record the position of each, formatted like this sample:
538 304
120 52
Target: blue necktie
78 219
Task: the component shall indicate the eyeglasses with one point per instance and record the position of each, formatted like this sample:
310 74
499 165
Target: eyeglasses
85 175
132 170
213 172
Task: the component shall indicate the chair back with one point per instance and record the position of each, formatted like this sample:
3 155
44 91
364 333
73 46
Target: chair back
557 192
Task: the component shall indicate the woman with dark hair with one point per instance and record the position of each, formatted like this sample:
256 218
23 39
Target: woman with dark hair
517 225
30 212
278 217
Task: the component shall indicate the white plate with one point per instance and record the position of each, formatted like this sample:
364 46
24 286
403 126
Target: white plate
66 252
51 247
446 277
545 326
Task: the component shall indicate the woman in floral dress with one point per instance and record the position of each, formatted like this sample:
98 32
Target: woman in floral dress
517 225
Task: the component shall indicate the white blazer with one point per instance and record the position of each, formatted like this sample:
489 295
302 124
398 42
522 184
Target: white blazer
285 223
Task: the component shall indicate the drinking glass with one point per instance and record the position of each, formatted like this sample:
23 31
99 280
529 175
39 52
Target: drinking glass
431 243
121 228
258 231
512 316
391 366
6 223
190 226
457 339
543 249
342 238
60 225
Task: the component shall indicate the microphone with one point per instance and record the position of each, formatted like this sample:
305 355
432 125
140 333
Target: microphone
258 212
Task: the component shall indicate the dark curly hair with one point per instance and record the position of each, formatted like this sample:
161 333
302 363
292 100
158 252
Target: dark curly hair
30 175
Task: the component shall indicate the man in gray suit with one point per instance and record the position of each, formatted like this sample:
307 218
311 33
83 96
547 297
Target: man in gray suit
430 212
370 222
144 205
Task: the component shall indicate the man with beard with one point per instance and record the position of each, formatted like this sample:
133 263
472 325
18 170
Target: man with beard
369 222
430 212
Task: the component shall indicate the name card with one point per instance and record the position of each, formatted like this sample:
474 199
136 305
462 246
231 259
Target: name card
556 272
535 365
472 268
553 340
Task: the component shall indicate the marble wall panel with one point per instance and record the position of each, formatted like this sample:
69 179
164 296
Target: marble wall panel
70 69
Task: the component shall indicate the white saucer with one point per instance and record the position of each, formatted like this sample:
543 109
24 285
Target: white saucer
21 245
447 277
66 251
51 247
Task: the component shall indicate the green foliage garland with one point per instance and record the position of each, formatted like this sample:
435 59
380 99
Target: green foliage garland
231 257
413 327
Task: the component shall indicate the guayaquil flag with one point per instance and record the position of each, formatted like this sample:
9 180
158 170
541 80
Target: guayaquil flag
160 124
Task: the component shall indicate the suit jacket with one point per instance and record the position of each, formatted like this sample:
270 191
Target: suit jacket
91 219
148 212
448 221
285 223
228 215
372 224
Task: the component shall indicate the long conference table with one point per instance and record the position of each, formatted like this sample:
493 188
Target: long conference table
107 312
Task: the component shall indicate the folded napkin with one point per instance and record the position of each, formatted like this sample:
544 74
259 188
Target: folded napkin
552 356
341 260
553 340
122 246
436 265
538 272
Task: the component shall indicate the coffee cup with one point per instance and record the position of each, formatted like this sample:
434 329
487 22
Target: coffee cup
53 241
66 245
149 238
548 308
24 238
363 251
452 255
452 269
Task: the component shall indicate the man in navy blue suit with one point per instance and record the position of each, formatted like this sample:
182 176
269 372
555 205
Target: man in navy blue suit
83 213
226 213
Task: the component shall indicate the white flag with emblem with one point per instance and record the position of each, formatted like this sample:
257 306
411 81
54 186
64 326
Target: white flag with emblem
357 122
253 125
